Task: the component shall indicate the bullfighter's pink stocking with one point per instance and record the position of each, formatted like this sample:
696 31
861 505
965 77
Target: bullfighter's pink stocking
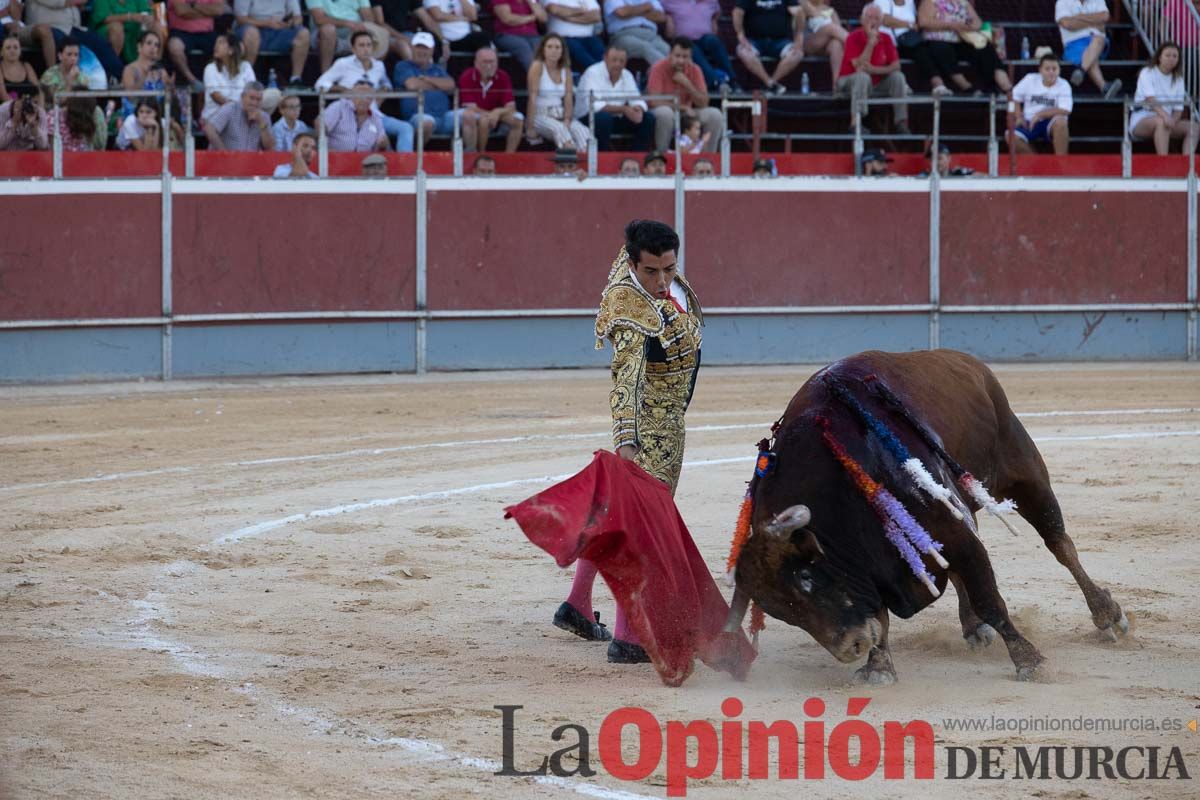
581 587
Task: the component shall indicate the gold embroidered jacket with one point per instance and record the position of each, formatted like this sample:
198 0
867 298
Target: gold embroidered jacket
656 355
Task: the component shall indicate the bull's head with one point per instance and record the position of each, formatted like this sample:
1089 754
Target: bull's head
835 607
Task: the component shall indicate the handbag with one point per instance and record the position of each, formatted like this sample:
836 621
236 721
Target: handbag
910 38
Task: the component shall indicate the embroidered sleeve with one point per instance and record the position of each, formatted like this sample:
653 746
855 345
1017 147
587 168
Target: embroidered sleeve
628 366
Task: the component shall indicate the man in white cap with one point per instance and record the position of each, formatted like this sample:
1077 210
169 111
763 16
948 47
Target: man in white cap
422 74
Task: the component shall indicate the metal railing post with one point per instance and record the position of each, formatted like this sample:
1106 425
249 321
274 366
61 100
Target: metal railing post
420 132
422 304
935 229
189 140
592 157
1126 141
457 143
993 144
1192 278
56 145
167 290
858 136
322 138
165 123
678 154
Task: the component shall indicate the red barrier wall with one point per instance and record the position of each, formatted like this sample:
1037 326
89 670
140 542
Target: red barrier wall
546 249
84 256
1071 247
293 252
811 248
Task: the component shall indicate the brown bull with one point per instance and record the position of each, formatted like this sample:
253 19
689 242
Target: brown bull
818 556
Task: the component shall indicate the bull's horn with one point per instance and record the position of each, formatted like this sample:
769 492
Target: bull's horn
789 520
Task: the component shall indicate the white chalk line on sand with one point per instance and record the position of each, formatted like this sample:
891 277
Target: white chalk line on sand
381 451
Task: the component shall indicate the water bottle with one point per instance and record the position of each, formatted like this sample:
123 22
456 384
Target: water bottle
1024 48
804 83
272 80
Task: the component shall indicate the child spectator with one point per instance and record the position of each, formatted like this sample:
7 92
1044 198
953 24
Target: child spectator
1043 104
1161 98
226 75
691 139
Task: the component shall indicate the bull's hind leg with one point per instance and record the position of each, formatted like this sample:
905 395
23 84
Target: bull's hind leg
977 632
1038 505
879 670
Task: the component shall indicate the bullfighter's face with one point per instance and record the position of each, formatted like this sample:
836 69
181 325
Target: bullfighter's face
655 273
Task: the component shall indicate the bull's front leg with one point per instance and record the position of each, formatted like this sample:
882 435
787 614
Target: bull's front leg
879 670
737 610
975 631
988 605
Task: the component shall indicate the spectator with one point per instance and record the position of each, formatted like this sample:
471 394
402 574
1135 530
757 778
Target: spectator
360 67
767 28
12 13
66 72
1043 103
576 21
146 72
23 124
191 23
630 168
374 166
81 125
655 164
303 148
122 22
763 168
241 126
945 167
456 24
617 103
1081 23
225 76
945 23
692 139
276 26
62 17
484 166
16 76
142 130
824 33
703 168
871 66
486 95
516 27
551 108
697 20
874 164
354 124
423 74
632 25
677 74
1161 97
289 125
396 17
566 165
333 21
900 22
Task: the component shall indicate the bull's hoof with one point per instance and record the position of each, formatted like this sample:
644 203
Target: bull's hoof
875 677
1118 629
1029 672
981 637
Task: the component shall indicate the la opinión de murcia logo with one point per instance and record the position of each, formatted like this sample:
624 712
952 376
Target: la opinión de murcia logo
851 750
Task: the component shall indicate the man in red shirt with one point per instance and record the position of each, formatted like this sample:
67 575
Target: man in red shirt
677 74
871 66
488 104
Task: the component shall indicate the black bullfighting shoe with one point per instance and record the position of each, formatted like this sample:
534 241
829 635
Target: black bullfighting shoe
569 619
626 653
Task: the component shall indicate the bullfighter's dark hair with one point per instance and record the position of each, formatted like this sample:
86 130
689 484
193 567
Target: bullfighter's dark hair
649 235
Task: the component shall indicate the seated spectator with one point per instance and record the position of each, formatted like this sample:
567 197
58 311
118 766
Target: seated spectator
576 21
12 23
146 72
142 130
289 125
763 168
654 164
945 167
703 168
423 74
456 25
692 139
874 164
303 150
768 29
374 166
625 112
1043 103
23 124
63 20
1081 24
678 75
551 108
225 76
276 26
516 28
354 124
360 67
486 95
630 168
824 33
243 125
16 76
122 22
484 166
697 20
191 24
871 67
66 73
900 22
566 165
1161 98
632 25
398 17
332 23
81 125
945 23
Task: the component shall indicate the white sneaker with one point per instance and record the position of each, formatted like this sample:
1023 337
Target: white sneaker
941 91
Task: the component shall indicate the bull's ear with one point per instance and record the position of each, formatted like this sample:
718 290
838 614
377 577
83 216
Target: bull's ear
807 546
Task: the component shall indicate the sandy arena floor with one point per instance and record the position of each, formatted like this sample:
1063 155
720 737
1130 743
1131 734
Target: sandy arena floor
305 587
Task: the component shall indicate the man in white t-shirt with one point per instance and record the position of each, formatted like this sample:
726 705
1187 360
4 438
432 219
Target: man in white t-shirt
303 150
576 21
456 26
1044 102
1081 23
